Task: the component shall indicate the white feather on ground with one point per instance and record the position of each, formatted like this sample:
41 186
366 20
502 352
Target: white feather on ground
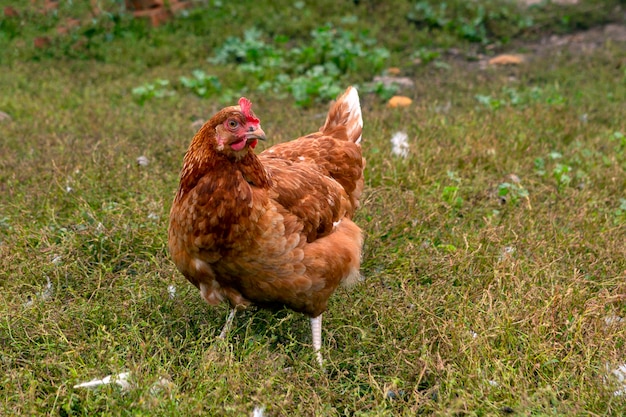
44 294
119 379
171 289
400 144
619 379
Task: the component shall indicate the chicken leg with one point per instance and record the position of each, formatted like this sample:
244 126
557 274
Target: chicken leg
316 330
228 324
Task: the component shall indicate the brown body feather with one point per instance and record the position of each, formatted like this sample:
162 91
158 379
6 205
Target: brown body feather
273 229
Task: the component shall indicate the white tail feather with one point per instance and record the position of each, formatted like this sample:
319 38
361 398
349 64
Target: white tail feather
346 111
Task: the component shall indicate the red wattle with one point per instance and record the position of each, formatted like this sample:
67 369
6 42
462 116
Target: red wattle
238 145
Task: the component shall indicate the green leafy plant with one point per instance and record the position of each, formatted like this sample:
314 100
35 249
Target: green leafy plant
425 55
522 98
148 91
308 72
450 195
382 90
488 101
5 224
540 166
251 49
620 143
512 192
342 48
481 22
620 211
10 28
201 84
564 173
318 82
561 173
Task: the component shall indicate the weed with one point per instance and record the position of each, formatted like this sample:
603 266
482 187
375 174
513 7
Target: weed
318 82
488 101
620 212
341 48
516 98
308 73
561 174
540 166
450 195
385 92
425 55
620 144
148 91
512 192
481 22
201 84
249 52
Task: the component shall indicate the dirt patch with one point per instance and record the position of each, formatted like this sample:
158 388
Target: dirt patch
583 42
533 2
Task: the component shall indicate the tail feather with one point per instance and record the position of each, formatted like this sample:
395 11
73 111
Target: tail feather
345 113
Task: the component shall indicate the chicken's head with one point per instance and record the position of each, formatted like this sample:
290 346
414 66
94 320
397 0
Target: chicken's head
238 128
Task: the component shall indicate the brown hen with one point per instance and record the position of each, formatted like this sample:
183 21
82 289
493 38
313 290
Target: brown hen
274 229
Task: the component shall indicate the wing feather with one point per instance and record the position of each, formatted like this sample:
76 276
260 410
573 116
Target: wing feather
338 159
303 190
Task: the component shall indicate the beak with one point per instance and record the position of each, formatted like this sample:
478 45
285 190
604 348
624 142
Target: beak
257 133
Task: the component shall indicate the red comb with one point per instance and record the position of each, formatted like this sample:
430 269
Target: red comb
246 109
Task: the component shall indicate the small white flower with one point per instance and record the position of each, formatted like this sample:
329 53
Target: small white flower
400 143
153 216
258 411
68 189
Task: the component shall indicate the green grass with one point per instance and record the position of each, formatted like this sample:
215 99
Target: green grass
476 301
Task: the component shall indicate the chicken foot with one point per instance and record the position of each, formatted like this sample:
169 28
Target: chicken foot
316 330
228 324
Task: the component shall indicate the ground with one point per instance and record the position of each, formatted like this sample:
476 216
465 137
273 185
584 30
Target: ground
495 258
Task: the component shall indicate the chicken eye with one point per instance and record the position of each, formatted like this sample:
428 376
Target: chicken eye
233 123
